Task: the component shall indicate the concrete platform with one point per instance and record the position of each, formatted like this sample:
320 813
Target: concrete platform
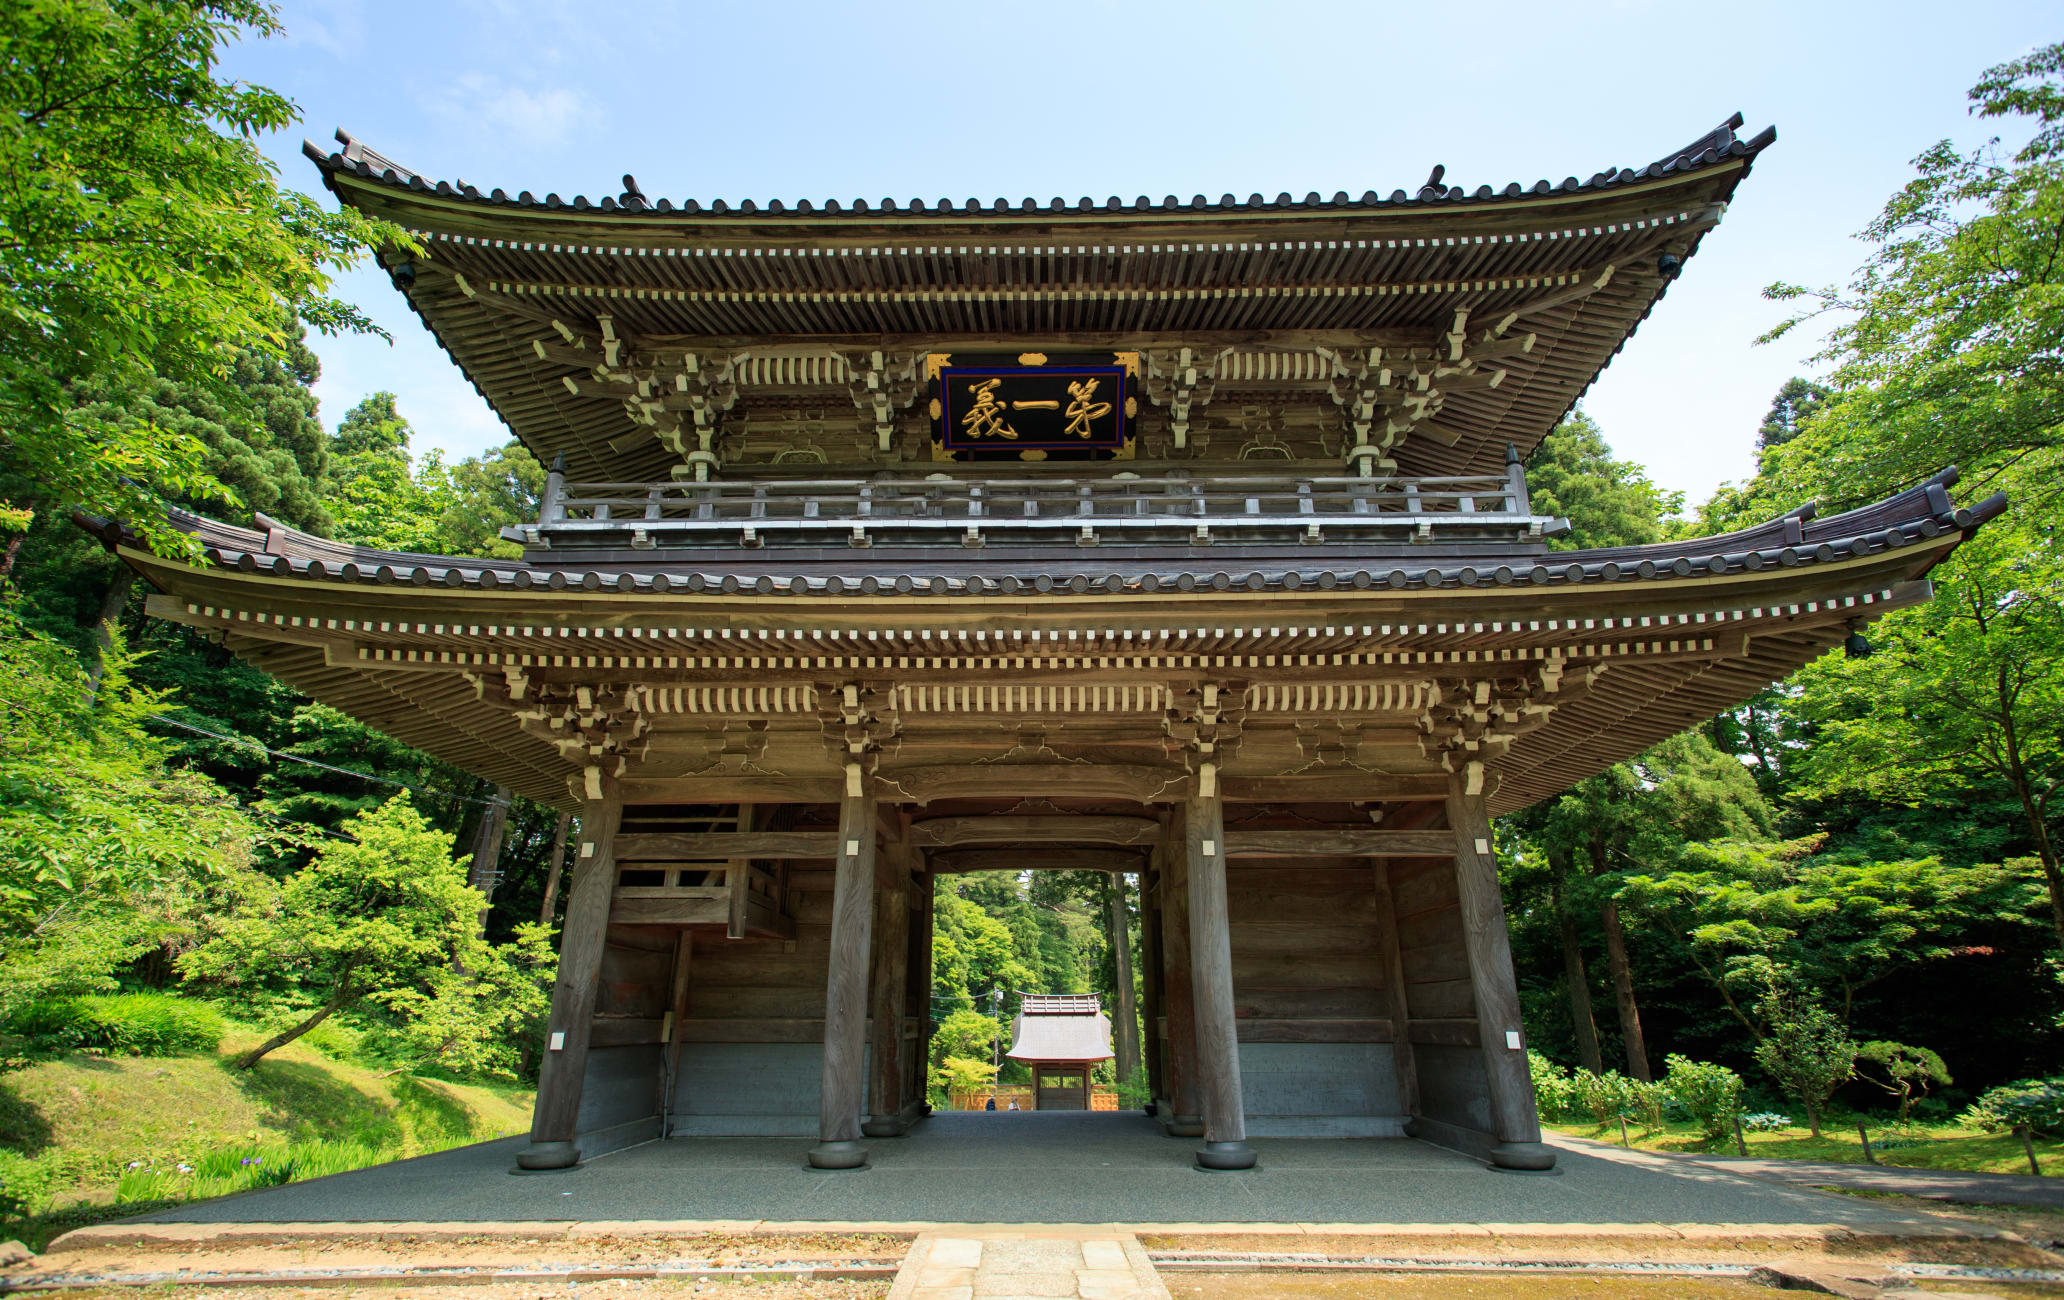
1033 1168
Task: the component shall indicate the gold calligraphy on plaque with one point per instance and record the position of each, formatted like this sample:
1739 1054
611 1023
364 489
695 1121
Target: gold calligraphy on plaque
1084 408
985 418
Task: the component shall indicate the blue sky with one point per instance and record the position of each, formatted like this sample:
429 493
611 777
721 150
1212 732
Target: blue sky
820 100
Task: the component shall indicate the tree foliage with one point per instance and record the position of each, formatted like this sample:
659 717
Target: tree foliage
1949 341
143 235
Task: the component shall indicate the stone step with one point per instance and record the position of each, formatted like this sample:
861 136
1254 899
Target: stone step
1091 1265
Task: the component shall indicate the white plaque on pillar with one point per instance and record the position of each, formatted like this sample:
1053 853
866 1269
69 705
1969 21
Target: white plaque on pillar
1512 1039
558 1042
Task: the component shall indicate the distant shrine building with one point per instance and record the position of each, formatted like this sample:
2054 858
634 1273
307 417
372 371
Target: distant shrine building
889 541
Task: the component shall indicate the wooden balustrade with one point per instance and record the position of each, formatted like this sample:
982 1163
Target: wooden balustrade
728 514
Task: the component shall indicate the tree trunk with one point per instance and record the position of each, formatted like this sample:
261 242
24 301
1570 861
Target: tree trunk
485 872
2038 825
1582 1021
8 556
559 834
112 604
344 994
1622 976
1121 966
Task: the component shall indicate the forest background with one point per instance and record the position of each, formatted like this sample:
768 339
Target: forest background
1863 855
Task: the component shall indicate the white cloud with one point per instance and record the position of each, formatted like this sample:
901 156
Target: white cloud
336 27
544 117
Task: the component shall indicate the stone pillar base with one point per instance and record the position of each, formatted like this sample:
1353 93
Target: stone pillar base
1225 1156
832 1156
884 1126
1523 1157
1182 1126
541 1157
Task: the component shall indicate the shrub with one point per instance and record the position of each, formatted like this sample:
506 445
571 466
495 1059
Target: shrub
1605 1096
1903 1071
1710 1094
1766 1121
24 1183
139 1024
1646 1102
2038 1103
1807 1053
1551 1085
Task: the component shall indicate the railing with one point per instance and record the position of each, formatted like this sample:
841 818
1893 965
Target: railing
728 514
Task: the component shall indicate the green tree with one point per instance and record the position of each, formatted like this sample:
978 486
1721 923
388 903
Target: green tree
1796 403
1966 689
373 917
105 850
1905 1072
1608 502
143 233
1835 925
1806 1052
1949 346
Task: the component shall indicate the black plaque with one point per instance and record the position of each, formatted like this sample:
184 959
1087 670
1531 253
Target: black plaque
989 409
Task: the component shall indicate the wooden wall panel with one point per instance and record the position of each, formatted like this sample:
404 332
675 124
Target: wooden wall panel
1305 962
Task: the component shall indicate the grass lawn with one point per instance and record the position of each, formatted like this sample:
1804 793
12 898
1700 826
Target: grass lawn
1926 1146
86 1121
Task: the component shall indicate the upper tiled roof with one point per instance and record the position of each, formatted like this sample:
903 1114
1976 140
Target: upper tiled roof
354 158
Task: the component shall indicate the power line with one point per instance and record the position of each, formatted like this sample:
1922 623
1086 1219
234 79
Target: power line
248 743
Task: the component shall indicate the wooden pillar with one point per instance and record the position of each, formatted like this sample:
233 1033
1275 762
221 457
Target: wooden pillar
843 1093
1150 983
1211 958
581 940
1516 1126
918 992
1184 1117
1390 952
886 999
673 1030
1120 927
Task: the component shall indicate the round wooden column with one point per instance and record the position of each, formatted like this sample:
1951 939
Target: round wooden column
1211 959
843 1092
556 1114
1516 1125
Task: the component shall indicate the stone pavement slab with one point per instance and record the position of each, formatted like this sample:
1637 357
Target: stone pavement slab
1010 1265
1036 1168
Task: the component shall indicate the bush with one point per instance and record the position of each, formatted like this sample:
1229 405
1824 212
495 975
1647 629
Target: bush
1552 1095
1766 1121
24 1183
138 1024
1646 1102
1606 1097
2038 1103
1710 1094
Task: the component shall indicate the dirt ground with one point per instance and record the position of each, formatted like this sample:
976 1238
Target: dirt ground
643 1289
1309 1286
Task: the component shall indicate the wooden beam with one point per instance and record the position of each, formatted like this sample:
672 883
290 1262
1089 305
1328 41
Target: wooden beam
1345 842
714 845
842 1093
730 789
955 861
952 832
1330 787
1390 953
581 942
1315 1031
1137 782
1515 1124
